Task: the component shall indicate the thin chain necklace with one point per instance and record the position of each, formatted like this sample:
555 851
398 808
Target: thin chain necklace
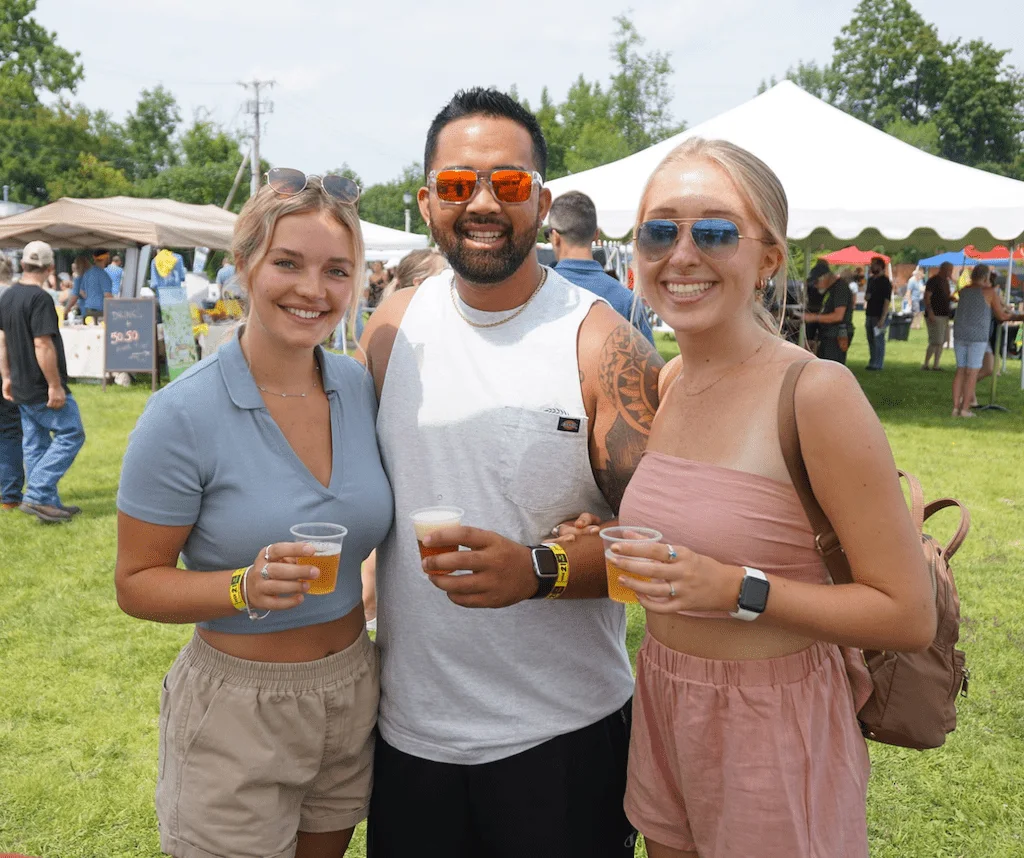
735 366
286 395
468 321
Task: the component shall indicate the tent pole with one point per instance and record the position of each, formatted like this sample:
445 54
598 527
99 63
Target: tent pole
992 406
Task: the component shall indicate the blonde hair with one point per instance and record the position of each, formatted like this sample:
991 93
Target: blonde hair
416 265
254 229
760 189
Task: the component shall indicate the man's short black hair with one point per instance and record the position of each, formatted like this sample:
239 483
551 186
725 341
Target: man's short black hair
486 102
574 217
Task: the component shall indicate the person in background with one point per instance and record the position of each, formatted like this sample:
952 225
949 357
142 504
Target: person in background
978 304
92 288
225 276
415 267
115 270
64 284
12 468
835 318
876 312
572 229
166 269
936 314
915 287
282 679
35 377
745 739
856 282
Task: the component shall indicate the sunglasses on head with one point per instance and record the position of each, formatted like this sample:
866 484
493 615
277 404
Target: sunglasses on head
713 236
507 186
287 182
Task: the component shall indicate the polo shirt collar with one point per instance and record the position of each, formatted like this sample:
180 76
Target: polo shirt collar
583 264
238 379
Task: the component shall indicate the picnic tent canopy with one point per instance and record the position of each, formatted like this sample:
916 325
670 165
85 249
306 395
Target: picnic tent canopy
853 256
822 156
120 222
383 243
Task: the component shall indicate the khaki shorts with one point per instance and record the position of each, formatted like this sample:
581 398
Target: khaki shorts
253 752
937 328
761 757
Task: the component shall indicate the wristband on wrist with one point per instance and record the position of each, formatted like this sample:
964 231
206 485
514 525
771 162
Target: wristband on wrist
237 600
563 571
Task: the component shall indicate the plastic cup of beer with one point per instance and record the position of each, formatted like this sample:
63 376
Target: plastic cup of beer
430 518
326 539
632 535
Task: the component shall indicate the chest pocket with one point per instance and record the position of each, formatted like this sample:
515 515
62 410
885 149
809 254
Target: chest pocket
545 460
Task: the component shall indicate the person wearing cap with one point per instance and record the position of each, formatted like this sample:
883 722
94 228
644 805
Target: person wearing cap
92 288
35 377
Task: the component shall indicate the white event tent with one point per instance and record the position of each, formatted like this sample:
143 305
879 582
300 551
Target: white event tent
847 182
383 243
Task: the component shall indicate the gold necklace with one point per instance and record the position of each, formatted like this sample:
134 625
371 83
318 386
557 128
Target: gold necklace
735 366
458 309
285 395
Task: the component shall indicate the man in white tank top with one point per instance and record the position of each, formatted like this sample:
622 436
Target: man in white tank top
507 391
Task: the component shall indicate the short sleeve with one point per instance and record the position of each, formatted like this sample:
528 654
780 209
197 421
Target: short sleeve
161 476
42 318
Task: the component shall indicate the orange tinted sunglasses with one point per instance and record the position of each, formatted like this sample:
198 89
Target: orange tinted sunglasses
507 186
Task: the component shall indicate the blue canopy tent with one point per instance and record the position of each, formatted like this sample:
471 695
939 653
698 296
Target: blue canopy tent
953 257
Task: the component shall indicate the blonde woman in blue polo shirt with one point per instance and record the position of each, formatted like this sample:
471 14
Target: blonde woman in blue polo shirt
267 715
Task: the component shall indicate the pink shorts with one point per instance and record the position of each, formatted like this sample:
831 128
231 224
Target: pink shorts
737 758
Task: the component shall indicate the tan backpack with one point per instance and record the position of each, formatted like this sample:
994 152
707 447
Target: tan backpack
913 700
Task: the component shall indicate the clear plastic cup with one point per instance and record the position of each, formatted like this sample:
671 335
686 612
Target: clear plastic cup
430 518
623 533
326 539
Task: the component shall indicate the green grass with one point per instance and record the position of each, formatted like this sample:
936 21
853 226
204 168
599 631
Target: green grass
79 680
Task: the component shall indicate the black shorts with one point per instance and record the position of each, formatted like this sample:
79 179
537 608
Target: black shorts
561 799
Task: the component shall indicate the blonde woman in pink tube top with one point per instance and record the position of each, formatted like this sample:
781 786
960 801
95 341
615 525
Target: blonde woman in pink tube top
745 738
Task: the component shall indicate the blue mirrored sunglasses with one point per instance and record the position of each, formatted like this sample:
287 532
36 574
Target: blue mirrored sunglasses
715 237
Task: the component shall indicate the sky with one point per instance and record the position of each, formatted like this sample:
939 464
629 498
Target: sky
359 83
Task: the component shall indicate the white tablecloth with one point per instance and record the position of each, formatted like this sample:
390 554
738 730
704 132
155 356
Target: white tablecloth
83 350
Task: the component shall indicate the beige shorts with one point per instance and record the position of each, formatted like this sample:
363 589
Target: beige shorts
253 752
937 328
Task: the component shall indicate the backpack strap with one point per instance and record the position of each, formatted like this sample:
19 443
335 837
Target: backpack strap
961 532
825 539
917 513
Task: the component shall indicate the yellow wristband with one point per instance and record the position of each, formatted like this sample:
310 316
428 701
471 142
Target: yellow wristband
563 571
237 601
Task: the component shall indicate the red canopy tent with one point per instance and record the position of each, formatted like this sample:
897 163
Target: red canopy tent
854 256
996 253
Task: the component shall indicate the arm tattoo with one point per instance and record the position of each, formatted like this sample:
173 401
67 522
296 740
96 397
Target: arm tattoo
629 380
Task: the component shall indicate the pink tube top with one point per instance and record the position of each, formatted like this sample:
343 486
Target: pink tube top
737 518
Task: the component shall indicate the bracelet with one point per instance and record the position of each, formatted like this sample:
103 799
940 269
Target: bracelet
237 600
245 598
563 571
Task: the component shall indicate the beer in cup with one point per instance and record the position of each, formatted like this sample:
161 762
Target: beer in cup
326 539
635 535
431 518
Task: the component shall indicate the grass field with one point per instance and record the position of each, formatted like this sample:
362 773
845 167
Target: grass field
79 680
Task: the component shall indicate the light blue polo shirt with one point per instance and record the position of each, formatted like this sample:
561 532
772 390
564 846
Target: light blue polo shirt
207 453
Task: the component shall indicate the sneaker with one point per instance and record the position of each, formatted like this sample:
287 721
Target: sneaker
44 512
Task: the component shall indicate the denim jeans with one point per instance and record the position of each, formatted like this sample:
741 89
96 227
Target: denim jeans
52 439
876 342
12 469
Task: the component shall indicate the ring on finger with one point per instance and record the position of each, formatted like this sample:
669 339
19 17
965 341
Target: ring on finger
555 530
671 589
265 573
671 555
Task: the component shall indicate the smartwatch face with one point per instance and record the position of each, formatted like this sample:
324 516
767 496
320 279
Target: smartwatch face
755 594
545 563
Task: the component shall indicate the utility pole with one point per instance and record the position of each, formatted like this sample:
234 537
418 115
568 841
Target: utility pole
255 107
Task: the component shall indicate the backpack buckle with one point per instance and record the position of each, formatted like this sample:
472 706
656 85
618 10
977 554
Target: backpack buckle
826 543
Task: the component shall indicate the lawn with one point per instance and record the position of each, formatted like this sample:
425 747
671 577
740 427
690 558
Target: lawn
79 680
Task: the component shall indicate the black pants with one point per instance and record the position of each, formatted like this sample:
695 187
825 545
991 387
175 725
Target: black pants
562 799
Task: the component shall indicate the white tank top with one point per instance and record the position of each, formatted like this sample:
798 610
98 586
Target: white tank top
491 420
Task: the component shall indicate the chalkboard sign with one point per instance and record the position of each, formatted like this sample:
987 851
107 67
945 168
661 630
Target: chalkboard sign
131 336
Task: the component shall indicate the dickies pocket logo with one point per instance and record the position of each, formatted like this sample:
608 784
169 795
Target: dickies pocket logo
568 424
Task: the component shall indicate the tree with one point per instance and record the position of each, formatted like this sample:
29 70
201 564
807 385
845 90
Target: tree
346 171
888 63
808 76
150 131
91 178
382 204
981 117
29 52
640 92
923 135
